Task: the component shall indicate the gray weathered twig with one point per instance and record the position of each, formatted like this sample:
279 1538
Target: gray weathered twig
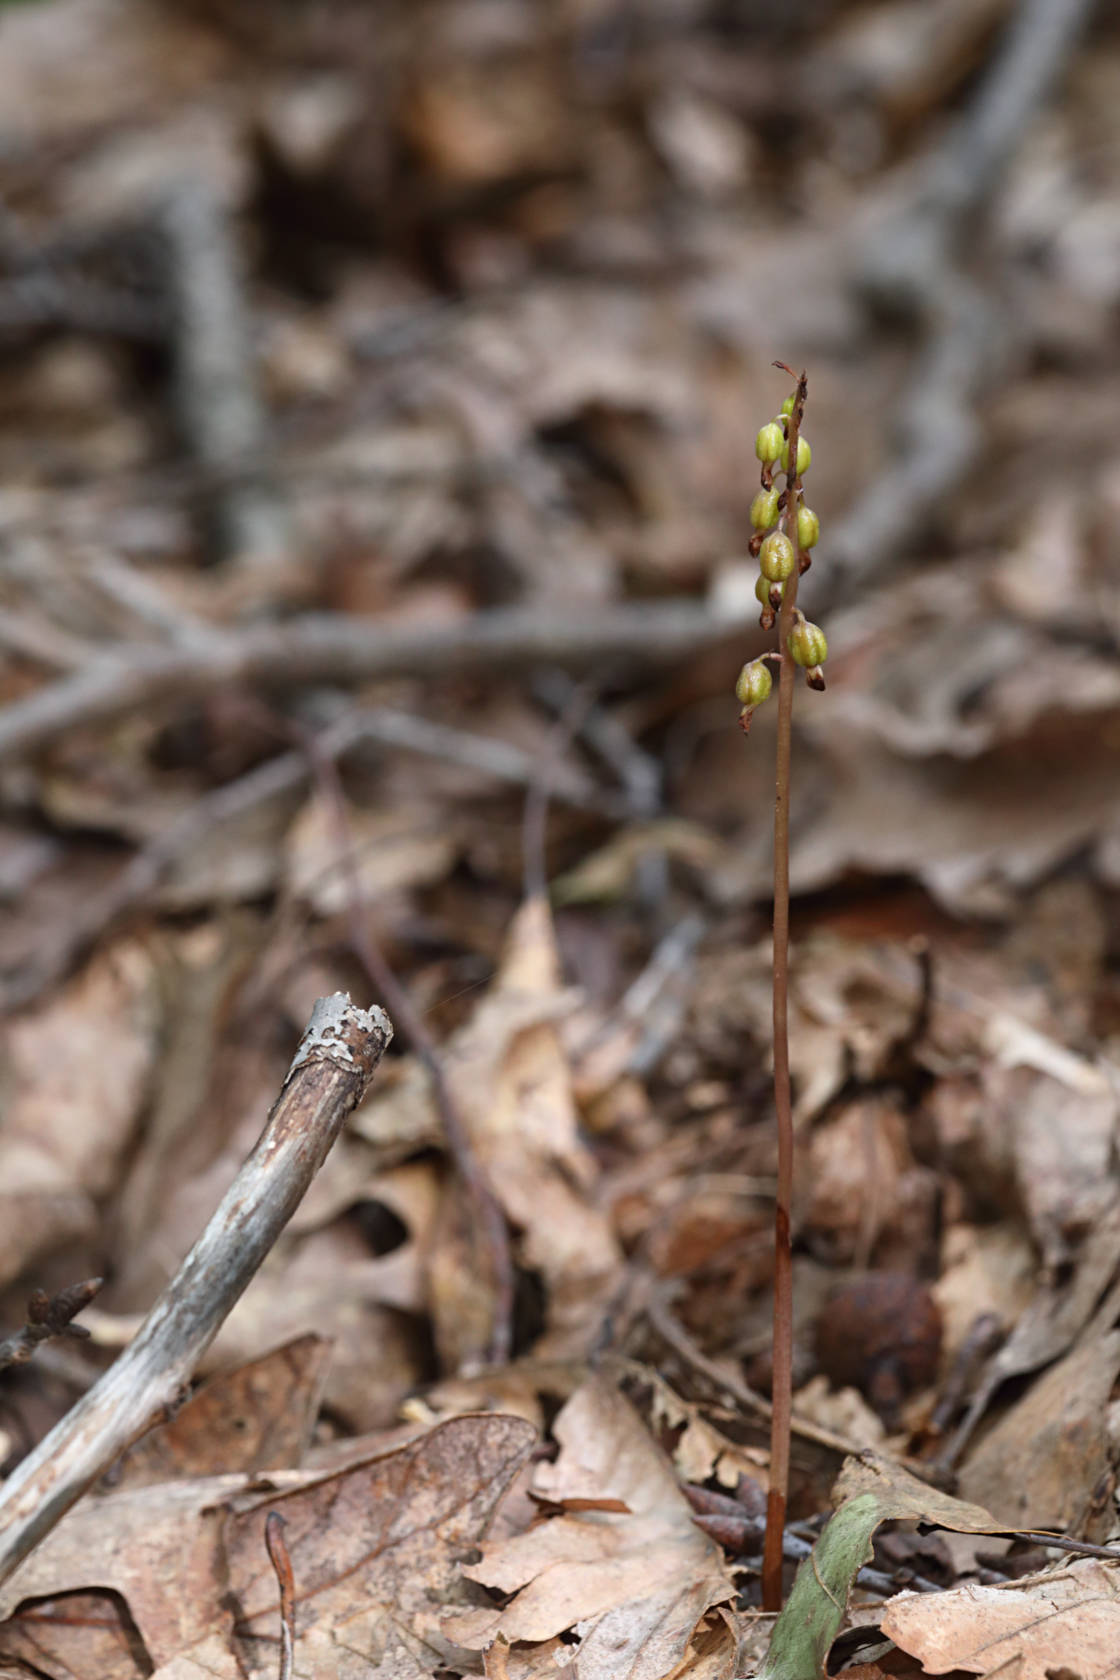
329 1075
913 265
329 647
219 411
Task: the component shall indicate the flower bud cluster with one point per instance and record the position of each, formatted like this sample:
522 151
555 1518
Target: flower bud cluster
783 532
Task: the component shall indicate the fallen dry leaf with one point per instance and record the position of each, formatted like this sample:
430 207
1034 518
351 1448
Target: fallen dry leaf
69 1110
76 1633
512 1084
1056 1317
329 1278
843 1411
1065 1621
255 1418
633 1582
212 1660
899 1494
153 1547
700 1450
389 851
1041 1462
863 1187
58 74
376 1551
984 1269
975 833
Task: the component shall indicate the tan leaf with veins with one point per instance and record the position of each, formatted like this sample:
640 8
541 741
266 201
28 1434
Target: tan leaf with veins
634 1583
376 1553
1066 1621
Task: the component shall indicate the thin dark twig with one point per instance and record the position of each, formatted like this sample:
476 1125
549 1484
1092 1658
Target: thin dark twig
49 1316
1063 1543
782 1389
984 1337
409 1021
737 1532
274 1526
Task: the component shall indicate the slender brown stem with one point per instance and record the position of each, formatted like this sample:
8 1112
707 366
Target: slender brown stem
782 1391
281 1562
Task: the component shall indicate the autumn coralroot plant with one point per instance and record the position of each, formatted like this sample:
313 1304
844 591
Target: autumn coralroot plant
784 532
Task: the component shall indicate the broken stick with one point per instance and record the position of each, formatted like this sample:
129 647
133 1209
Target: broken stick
329 1075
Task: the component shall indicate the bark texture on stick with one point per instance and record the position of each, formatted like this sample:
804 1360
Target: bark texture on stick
329 1075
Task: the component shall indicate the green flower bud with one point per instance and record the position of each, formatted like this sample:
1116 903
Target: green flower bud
754 684
768 443
776 557
764 509
808 644
787 406
808 527
804 456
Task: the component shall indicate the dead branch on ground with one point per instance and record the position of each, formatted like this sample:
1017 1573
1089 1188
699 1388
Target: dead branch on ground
219 410
912 267
329 1075
330 647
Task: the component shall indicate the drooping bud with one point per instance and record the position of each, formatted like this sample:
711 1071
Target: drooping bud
765 593
764 509
788 405
754 683
808 645
808 527
769 442
777 557
804 456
